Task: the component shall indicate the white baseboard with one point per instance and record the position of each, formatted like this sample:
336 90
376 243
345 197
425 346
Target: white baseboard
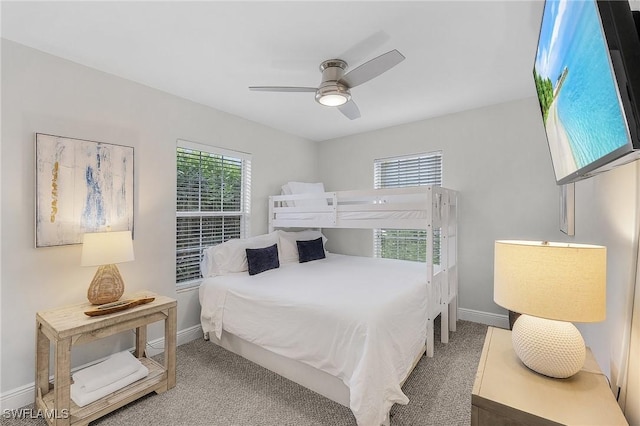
488 318
18 397
24 395
156 346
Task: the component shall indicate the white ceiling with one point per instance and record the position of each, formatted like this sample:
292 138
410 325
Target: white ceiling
460 54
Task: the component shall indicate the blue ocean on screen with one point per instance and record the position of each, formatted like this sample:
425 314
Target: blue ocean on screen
588 103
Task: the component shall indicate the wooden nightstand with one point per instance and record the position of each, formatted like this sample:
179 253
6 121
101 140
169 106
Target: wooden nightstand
69 326
506 392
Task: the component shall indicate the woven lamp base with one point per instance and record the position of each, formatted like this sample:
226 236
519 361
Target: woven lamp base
553 348
107 285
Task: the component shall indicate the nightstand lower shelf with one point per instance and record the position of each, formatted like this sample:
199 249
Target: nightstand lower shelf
155 381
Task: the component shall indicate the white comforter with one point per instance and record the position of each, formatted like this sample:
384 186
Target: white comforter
360 319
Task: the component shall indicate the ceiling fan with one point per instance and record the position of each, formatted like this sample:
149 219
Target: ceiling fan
334 89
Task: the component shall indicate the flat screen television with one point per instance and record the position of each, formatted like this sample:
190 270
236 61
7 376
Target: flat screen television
587 77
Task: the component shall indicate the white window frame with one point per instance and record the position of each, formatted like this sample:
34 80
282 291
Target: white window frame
245 203
416 174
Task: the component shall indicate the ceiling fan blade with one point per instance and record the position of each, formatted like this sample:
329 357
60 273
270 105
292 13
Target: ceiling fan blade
372 69
282 89
364 48
350 110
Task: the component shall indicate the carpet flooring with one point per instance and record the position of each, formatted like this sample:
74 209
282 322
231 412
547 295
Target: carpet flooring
216 387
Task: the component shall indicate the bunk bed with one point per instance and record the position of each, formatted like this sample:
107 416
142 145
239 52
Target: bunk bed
431 208
345 374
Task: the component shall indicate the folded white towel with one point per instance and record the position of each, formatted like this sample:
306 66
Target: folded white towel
104 373
82 398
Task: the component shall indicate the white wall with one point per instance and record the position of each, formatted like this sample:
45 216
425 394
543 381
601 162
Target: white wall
43 93
607 213
631 394
497 158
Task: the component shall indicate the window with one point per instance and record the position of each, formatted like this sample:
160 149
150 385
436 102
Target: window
213 193
414 170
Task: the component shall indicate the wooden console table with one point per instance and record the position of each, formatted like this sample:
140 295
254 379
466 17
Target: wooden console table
68 326
506 392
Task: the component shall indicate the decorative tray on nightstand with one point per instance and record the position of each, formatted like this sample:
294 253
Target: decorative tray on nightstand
120 305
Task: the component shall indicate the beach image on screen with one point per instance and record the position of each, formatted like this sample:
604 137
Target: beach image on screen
574 80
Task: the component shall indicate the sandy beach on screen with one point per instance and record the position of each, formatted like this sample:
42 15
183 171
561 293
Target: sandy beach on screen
563 161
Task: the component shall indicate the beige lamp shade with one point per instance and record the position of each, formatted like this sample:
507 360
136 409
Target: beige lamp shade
557 281
105 248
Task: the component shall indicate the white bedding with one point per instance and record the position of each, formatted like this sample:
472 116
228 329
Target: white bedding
360 319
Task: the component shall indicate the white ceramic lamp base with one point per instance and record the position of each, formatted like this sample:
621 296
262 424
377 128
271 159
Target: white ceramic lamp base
549 347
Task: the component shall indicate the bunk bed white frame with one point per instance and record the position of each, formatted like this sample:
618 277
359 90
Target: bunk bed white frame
424 207
430 208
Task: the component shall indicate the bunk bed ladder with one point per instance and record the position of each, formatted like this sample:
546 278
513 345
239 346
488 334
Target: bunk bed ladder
429 264
443 212
452 233
432 310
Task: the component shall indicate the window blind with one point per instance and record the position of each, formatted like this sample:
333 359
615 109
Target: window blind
213 189
396 172
424 169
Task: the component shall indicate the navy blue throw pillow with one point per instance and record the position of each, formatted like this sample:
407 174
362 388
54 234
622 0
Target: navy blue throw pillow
262 259
310 250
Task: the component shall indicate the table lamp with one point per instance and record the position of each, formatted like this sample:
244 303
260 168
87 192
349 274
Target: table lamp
551 285
105 249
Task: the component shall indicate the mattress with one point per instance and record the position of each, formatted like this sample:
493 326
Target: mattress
362 320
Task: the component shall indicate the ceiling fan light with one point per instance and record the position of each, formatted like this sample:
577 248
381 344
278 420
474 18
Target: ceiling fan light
333 95
333 99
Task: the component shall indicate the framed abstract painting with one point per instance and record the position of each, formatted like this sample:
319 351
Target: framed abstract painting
81 186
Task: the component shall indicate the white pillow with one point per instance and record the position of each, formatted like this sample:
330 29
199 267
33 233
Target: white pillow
286 190
206 270
288 249
231 256
292 188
